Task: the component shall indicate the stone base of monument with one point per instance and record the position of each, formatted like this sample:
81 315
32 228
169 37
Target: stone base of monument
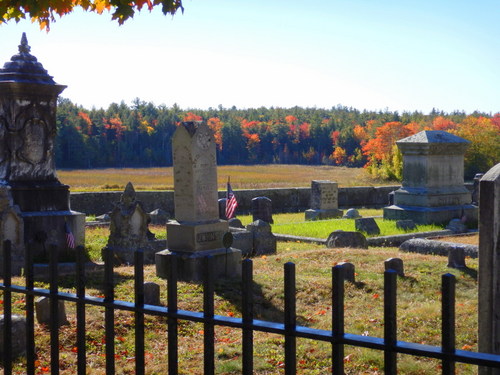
332 213
194 236
41 271
431 215
191 265
127 256
45 228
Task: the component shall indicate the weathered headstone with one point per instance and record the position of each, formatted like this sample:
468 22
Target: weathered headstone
42 310
395 264
349 271
235 223
197 231
324 201
352 213
262 209
222 208
151 293
367 225
18 344
340 238
489 265
28 102
406 224
128 229
433 188
456 258
264 241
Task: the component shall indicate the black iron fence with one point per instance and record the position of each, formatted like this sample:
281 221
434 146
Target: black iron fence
337 337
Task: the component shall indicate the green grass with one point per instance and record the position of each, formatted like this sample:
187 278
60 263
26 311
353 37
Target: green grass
295 224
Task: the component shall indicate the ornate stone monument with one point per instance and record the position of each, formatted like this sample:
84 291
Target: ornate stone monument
433 188
28 100
128 229
324 201
197 231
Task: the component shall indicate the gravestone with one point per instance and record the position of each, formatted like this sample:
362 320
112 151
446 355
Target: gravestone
340 238
222 208
197 231
367 225
489 265
406 224
42 310
151 293
475 189
324 201
28 103
456 258
352 213
457 226
128 229
264 241
262 209
159 216
432 190
18 344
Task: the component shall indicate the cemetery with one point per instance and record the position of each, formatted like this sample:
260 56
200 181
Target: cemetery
179 284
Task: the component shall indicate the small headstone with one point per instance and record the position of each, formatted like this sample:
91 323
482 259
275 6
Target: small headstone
243 241
352 213
456 258
262 209
159 216
264 241
222 208
324 201
406 224
235 223
367 225
395 264
457 226
349 271
103 217
151 294
42 309
18 343
340 238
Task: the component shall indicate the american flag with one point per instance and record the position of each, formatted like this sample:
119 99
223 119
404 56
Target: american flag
231 202
70 238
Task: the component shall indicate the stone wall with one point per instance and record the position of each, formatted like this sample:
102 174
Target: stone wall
284 200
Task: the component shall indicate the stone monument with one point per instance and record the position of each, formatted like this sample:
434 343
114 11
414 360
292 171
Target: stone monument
433 190
489 265
197 231
128 229
12 229
28 101
324 201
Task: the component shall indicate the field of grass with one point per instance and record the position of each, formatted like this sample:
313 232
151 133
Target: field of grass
242 177
419 316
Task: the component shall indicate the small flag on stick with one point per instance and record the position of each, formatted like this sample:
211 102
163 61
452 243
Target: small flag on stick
70 238
231 202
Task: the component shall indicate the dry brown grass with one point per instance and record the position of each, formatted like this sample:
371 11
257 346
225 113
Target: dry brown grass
468 239
242 177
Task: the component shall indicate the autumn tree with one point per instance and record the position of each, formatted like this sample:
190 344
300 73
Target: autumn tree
45 12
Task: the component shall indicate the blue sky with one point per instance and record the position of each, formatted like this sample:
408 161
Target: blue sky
367 54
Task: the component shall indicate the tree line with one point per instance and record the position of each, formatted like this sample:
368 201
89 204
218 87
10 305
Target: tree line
139 135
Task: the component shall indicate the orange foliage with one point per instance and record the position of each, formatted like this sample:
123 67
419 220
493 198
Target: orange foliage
335 136
442 123
386 136
190 116
215 124
291 119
